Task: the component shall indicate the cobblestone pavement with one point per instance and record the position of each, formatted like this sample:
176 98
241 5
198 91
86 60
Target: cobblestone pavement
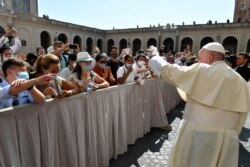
154 148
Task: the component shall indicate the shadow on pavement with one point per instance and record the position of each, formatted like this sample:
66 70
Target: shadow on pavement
244 157
150 142
176 112
245 135
153 141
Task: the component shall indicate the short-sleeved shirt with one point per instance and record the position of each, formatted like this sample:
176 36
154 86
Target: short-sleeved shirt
22 98
64 61
4 90
58 80
114 67
123 70
80 82
65 73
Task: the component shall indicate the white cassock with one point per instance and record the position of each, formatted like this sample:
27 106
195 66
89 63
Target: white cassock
216 109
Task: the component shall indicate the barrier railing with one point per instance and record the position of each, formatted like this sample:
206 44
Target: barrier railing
86 129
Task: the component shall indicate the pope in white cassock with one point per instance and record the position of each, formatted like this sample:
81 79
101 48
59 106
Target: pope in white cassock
216 109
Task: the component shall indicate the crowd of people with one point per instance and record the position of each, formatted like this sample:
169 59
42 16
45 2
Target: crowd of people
214 84
63 70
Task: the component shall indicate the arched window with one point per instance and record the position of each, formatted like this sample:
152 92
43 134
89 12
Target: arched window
89 45
151 42
205 41
186 43
45 39
230 43
63 38
110 43
136 45
169 44
77 40
123 44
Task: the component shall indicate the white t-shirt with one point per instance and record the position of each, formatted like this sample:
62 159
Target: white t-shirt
58 81
123 70
65 73
93 63
80 82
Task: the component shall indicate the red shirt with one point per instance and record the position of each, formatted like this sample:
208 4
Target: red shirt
110 79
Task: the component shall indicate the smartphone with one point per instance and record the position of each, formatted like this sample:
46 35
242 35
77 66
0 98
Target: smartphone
72 46
10 27
93 85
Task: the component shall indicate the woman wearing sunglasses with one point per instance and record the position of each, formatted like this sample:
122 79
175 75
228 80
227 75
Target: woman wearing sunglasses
103 70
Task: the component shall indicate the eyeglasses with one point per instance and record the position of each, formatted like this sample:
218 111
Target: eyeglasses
102 62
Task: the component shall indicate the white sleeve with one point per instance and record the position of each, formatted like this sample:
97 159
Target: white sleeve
17 45
93 63
135 73
65 73
120 72
4 92
59 80
3 40
157 63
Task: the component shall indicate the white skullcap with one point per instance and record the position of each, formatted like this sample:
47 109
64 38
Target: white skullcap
50 49
215 46
152 50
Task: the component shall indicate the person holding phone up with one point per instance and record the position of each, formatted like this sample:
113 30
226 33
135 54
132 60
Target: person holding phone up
4 40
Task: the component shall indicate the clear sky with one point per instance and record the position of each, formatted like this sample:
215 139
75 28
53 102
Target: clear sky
106 14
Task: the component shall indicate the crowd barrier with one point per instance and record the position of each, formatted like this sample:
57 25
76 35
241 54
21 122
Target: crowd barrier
86 129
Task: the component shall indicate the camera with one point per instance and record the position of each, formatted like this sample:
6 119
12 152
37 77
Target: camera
72 46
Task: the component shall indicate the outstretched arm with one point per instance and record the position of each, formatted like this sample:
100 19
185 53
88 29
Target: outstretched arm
157 63
16 87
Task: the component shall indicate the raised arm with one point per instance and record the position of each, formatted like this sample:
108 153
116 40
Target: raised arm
16 87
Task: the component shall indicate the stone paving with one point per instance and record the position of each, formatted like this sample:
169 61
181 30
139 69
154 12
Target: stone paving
154 148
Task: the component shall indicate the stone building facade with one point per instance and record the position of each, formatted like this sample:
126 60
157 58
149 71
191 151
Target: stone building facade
242 11
35 31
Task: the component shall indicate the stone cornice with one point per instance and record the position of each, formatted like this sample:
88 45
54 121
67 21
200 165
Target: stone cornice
168 28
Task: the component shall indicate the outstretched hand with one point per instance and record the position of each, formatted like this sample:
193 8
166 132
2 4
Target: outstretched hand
45 79
140 82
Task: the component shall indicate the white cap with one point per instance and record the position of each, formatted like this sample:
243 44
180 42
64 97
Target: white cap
215 46
83 56
152 50
50 49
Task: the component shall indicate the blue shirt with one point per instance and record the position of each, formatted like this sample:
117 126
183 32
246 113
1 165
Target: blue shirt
22 98
4 91
63 62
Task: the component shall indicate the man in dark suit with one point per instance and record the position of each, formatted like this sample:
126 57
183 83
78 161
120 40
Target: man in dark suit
242 65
